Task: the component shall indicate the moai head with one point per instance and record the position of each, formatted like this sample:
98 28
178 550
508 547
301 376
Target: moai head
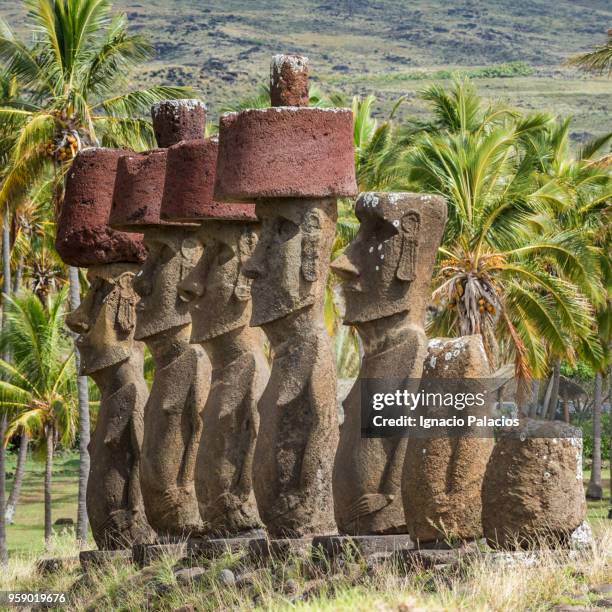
387 268
218 293
106 318
171 254
137 202
294 162
289 266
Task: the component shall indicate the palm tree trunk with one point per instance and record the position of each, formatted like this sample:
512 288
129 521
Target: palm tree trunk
18 276
48 477
565 402
594 490
6 289
535 398
554 394
11 505
83 400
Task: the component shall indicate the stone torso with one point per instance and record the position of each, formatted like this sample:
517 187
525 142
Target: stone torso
298 428
171 438
114 500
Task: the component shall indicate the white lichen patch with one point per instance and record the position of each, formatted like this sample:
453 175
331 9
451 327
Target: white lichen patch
297 63
370 199
175 105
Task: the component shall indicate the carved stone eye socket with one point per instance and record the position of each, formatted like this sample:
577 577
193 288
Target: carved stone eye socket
191 249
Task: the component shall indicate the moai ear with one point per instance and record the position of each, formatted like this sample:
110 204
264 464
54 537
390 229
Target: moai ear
410 227
246 246
126 307
311 241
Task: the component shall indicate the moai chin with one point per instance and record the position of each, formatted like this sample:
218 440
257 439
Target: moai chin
105 322
386 275
172 426
294 162
219 300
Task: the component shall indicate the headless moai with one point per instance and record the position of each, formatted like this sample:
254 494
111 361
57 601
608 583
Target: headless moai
219 299
386 272
294 162
443 471
182 371
533 494
105 322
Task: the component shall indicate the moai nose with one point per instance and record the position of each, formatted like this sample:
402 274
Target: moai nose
77 323
190 290
344 268
252 268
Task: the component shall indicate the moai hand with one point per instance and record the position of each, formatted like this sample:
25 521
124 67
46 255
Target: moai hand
294 162
172 425
105 322
386 274
219 300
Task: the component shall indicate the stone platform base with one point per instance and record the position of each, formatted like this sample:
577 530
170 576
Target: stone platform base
97 558
211 548
145 554
263 550
340 546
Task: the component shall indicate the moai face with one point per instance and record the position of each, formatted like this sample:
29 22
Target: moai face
106 318
289 264
218 293
387 268
172 253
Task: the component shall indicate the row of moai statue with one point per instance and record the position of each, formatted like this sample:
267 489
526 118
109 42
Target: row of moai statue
204 248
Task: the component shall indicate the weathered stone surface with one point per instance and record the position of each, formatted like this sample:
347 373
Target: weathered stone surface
386 272
91 559
105 322
298 428
264 550
532 491
189 185
285 153
212 548
443 475
189 575
416 559
180 387
176 120
289 80
219 298
363 545
139 190
54 565
84 237
144 555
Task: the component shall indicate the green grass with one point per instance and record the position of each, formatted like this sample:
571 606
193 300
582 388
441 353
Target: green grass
26 534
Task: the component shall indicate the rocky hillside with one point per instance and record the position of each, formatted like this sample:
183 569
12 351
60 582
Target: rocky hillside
385 47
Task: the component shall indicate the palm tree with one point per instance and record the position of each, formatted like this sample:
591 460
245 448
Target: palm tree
599 60
38 386
80 59
507 271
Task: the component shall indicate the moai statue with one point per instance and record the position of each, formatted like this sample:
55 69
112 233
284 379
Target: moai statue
219 299
182 371
444 470
533 494
294 162
386 272
105 322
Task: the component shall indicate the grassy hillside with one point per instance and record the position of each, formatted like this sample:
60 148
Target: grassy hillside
384 47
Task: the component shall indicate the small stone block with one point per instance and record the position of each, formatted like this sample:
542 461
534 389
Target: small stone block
53 565
146 554
97 558
262 550
211 548
365 546
416 559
